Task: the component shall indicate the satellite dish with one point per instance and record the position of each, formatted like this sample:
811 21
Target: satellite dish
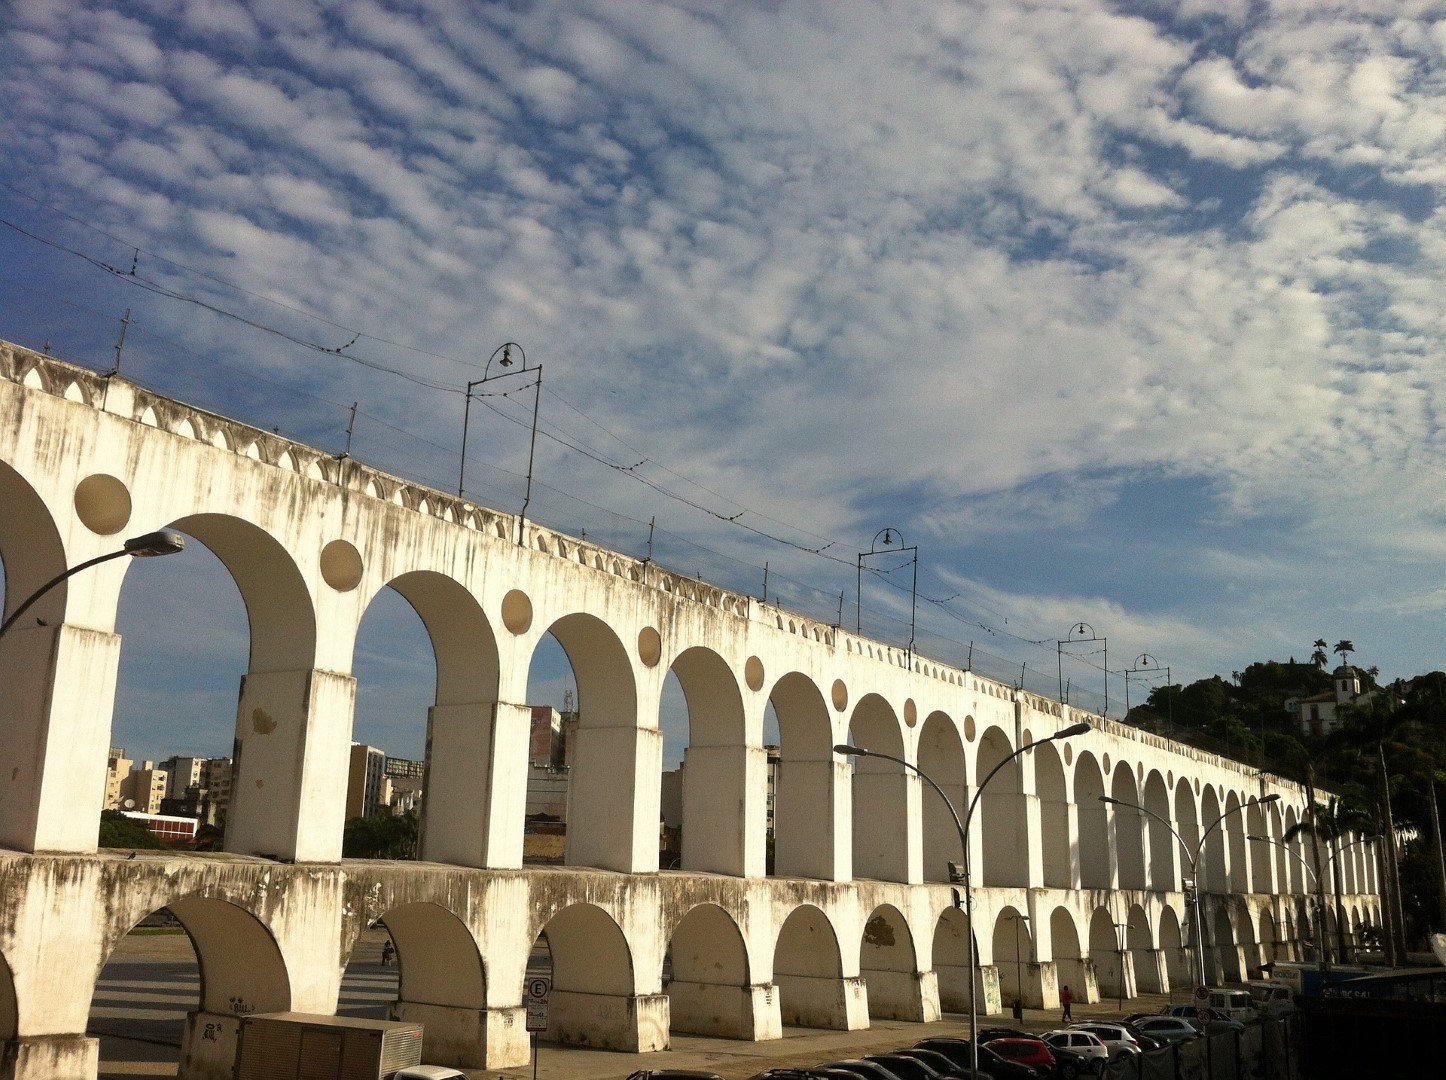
130 804
1438 946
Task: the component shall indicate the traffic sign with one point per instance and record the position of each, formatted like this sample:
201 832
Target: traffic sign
1202 994
538 989
1203 1015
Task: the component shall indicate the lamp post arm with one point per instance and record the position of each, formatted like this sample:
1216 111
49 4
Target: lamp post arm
1163 821
1289 851
53 582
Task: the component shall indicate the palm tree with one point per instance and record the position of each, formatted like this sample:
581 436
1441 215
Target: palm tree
1330 822
1344 647
1319 658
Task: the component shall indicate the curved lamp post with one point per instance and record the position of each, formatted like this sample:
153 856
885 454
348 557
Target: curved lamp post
163 542
963 826
1323 957
1194 857
487 376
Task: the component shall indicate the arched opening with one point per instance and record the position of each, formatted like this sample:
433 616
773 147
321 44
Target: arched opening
717 765
709 972
1162 846
605 787
941 757
196 966
889 966
808 971
1107 954
806 835
1069 963
880 794
1212 873
1049 785
1144 965
1004 822
951 960
1014 955
426 666
1175 955
593 1002
1094 825
1227 951
1234 829
1187 823
1129 828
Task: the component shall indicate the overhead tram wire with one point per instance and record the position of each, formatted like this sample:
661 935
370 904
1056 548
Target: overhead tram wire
345 352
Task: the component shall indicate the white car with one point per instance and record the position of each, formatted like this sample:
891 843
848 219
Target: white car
1081 1042
1168 1029
1117 1039
430 1072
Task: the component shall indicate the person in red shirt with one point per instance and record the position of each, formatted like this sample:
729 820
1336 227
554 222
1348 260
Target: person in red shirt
1065 999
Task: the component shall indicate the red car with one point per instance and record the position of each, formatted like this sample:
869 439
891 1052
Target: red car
1031 1052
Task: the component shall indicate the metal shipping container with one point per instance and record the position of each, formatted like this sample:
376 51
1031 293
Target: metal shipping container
308 1046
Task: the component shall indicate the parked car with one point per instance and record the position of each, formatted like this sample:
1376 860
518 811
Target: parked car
957 1051
1145 1042
804 1074
907 1067
1028 1051
661 1074
1116 1037
1218 1020
869 1070
430 1072
1087 1045
1168 1029
1236 1004
932 1058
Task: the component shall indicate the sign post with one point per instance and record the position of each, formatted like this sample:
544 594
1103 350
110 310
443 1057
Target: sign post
1202 1005
538 990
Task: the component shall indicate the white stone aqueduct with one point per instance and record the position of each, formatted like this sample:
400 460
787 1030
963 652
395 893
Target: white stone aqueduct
857 922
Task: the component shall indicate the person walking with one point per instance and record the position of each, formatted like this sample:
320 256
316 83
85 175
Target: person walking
387 949
1065 999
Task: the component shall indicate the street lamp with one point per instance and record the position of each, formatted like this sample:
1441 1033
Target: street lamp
965 878
505 362
1194 857
1323 956
163 542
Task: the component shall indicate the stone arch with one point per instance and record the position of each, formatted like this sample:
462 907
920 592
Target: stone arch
604 781
282 735
1054 823
806 830
951 960
808 970
1161 843
1140 942
715 764
1004 821
889 966
709 970
1129 828
881 840
1187 824
1013 946
1174 954
1069 962
941 757
1104 945
1233 826
1258 852
441 974
592 1001
1227 945
1212 872
1269 939
1094 826
460 720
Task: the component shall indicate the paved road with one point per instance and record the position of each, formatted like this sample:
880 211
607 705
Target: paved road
152 981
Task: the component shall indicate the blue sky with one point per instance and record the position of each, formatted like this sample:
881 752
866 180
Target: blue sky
1127 314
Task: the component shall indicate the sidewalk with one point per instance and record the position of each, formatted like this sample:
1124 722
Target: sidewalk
735 1060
